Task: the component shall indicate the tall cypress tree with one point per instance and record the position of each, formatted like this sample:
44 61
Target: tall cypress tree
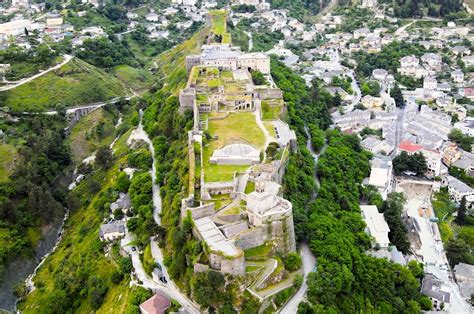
461 218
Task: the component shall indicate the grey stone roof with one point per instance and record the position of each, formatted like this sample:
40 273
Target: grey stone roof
114 226
464 270
466 161
458 185
431 286
370 142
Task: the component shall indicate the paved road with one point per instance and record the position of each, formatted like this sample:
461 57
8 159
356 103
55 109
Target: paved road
170 288
358 93
67 58
309 263
249 34
432 251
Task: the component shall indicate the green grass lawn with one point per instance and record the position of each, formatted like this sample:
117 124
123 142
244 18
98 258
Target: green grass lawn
236 127
270 112
147 260
259 252
218 22
75 83
138 79
7 156
250 187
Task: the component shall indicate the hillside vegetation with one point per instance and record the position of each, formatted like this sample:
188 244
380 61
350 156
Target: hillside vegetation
94 130
7 157
75 83
171 64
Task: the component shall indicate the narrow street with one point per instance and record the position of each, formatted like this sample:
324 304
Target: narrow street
309 264
170 289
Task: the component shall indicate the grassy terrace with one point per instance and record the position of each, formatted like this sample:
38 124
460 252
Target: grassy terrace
218 22
271 110
219 25
236 127
75 83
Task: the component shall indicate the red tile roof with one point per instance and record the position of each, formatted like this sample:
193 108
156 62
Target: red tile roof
409 146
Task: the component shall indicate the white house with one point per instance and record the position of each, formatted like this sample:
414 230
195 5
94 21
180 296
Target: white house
432 59
377 227
409 61
468 60
430 83
381 175
112 231
379 74
152 17
458 189
457 76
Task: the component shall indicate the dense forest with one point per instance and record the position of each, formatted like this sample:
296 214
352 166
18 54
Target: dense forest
33 195
346 279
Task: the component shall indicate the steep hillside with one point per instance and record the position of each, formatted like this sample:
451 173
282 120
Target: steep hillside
7 157
94 130
171 64
75 83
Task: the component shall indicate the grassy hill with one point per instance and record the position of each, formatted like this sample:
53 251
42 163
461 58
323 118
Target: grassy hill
139 80
7 157
75 83
171 63
92 131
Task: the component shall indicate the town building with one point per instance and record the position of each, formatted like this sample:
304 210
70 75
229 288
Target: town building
464 275
157 304
434 288
227 57
458 189
112 231
377 227
457 76
451 154
381 175
371 102
433 157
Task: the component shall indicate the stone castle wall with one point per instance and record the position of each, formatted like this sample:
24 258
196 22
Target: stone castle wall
280 231
199 212
270 93
251 238
233 266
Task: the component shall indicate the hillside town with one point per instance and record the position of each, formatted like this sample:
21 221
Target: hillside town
402 88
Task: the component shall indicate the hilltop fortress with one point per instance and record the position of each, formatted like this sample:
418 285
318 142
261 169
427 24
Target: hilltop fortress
238 151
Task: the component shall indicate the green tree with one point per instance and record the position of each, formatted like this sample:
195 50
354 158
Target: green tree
456 251
396 94
104 157
392 209
292 261
461 217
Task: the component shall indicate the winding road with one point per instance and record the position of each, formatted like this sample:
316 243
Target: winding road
170 289
309 264
67 58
